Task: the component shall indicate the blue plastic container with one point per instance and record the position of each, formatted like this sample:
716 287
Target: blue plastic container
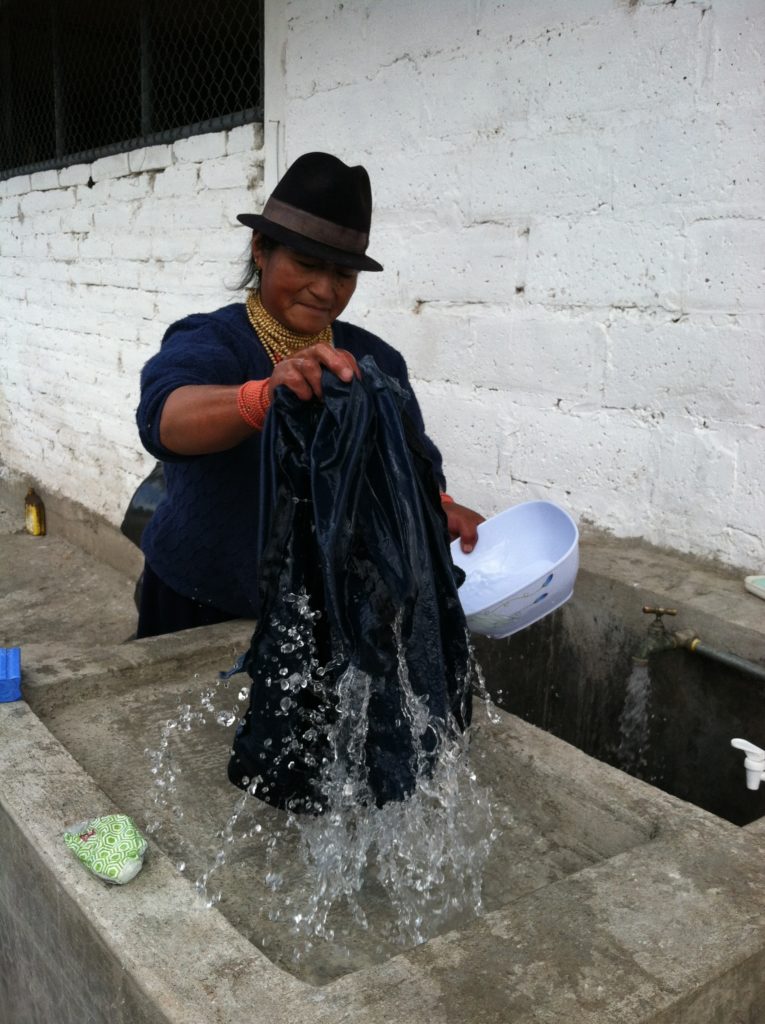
10 674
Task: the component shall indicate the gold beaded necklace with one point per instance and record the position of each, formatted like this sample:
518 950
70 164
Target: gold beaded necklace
279 341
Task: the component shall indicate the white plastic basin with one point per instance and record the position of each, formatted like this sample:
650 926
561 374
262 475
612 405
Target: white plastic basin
523 567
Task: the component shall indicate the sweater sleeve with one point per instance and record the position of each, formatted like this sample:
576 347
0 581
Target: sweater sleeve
197 350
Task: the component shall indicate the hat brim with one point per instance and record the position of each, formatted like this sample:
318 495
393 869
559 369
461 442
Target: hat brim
300 243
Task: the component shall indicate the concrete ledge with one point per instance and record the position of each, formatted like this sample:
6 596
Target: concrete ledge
707 595
149 949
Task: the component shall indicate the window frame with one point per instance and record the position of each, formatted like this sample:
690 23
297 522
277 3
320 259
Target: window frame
221 122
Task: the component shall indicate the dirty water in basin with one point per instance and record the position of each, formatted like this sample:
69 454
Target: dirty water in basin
516 830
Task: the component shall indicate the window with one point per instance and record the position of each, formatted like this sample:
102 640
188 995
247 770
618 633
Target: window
83 78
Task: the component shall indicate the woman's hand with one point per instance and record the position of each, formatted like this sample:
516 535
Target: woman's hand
301 373
463 523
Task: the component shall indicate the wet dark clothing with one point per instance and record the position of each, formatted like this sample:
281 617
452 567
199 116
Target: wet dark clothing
355 571
202 540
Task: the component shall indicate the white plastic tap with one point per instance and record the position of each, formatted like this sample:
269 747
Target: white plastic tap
754 762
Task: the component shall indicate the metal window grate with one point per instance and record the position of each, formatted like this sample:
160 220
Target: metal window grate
80 79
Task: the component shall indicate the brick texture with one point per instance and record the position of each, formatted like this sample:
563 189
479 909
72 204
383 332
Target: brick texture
90 277
569 204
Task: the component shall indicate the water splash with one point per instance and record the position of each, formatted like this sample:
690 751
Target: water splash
402 872
423 854
163 765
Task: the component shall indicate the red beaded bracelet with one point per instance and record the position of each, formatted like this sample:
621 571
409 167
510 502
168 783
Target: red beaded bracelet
253 401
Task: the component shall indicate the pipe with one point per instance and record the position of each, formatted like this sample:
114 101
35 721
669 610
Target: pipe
688 639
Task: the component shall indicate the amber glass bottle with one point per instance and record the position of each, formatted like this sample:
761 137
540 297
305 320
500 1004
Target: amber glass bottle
34 513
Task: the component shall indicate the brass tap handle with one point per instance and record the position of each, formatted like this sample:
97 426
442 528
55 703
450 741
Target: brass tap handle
658 612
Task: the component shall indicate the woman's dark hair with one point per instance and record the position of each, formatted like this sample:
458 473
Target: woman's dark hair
251 276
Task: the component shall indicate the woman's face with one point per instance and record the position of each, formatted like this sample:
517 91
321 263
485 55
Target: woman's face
302 293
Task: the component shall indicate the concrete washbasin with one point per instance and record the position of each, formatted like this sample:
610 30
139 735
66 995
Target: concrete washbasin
605 898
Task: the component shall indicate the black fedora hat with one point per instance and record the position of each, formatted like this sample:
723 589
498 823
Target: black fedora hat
321 207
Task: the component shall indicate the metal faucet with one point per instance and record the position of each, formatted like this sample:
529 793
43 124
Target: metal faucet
658 637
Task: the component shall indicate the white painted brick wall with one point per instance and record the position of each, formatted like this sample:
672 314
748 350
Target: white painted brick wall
90 277
570 207
569 203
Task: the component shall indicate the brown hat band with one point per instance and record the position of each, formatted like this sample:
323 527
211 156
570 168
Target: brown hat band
316 228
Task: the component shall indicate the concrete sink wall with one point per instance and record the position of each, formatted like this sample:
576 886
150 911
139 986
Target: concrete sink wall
634 907
570 673
609 901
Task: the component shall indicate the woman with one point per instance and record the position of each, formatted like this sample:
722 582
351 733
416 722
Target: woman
205 395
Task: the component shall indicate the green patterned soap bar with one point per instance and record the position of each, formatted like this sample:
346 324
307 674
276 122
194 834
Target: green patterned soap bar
111 847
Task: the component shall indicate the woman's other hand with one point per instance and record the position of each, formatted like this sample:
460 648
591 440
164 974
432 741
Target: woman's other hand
301 373
463 523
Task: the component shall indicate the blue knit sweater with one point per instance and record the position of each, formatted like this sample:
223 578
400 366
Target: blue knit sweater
201 541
